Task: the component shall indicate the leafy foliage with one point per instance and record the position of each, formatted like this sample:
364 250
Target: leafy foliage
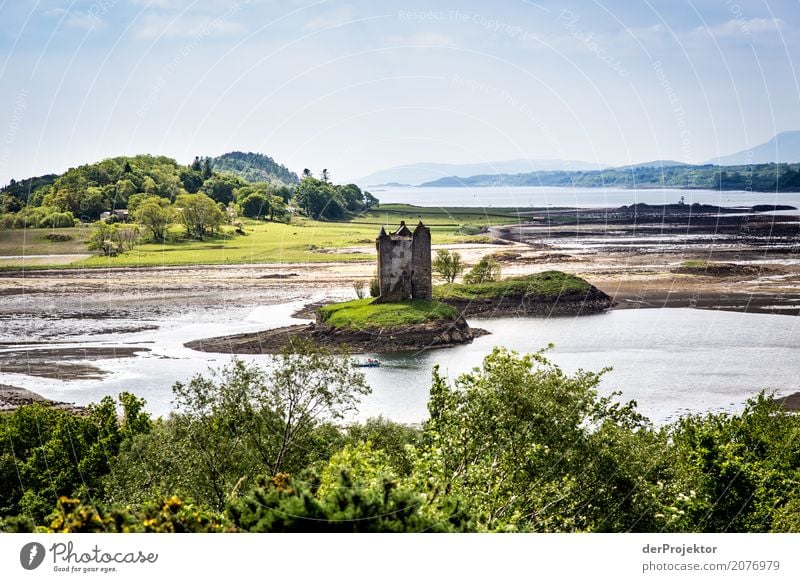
156 214
254 168
514 445
48 453
487 270
199 214
447 265
548 284
323 201
283 504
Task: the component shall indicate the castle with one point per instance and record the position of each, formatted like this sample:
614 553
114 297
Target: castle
404 264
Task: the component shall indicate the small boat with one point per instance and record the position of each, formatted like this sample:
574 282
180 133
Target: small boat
368 363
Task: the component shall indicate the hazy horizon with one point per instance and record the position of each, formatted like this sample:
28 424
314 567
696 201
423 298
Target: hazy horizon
357 88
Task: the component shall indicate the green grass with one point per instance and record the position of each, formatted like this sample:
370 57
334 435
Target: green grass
452 216
546 284
32 241
362 313
265 242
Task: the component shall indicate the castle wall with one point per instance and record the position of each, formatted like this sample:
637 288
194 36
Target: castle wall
395 268
421 269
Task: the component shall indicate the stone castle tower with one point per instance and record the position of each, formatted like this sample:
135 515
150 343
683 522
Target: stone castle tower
404 264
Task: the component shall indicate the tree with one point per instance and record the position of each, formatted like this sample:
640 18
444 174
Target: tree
369 201
255 206
448 265
515 440
319 199
47 452
156 215
198 213
124 189
278 210
367 503
325 176
306 173
221 188
207 173
485 271
732 472
309 385
104 239
190 179
127 236
246 418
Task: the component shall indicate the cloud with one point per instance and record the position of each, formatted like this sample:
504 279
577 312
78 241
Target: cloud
84 21
54 12
187 26
742 27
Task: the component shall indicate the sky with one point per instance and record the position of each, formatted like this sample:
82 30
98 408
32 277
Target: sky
357 87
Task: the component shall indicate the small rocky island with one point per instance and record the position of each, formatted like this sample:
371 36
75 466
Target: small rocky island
409 313
546 294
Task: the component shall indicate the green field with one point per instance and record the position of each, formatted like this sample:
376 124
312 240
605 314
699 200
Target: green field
32 241
264 242
362 313
546 284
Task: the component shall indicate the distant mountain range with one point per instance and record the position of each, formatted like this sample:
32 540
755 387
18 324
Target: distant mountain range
781 149
415 174
254 168
756 177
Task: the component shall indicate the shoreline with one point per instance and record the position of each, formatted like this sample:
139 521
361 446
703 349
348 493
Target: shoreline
394 339
12 397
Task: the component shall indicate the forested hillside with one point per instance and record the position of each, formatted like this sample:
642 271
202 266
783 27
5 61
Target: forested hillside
254 168
761 178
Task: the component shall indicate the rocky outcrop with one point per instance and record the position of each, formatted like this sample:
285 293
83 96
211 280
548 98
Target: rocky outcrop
422 336
567 304
12 398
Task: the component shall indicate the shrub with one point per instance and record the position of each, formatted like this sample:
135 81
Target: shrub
486 270
57 220
448 265
374 286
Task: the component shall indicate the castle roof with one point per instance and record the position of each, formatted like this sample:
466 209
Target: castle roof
403 230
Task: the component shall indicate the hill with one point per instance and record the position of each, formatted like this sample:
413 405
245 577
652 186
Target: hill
653 164
759 178
783 148
415 174
254 168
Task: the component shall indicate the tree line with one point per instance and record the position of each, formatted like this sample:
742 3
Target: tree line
153 193
514 445
84 193
756 177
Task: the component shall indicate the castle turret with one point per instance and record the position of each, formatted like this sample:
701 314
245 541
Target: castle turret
421 269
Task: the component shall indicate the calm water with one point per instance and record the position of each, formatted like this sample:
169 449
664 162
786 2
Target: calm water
578 197
671 361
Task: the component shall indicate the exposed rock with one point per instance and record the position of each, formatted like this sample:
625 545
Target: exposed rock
593 301
434 334
12 398
726 270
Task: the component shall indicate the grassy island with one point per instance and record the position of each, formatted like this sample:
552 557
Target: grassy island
363 313
549 284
